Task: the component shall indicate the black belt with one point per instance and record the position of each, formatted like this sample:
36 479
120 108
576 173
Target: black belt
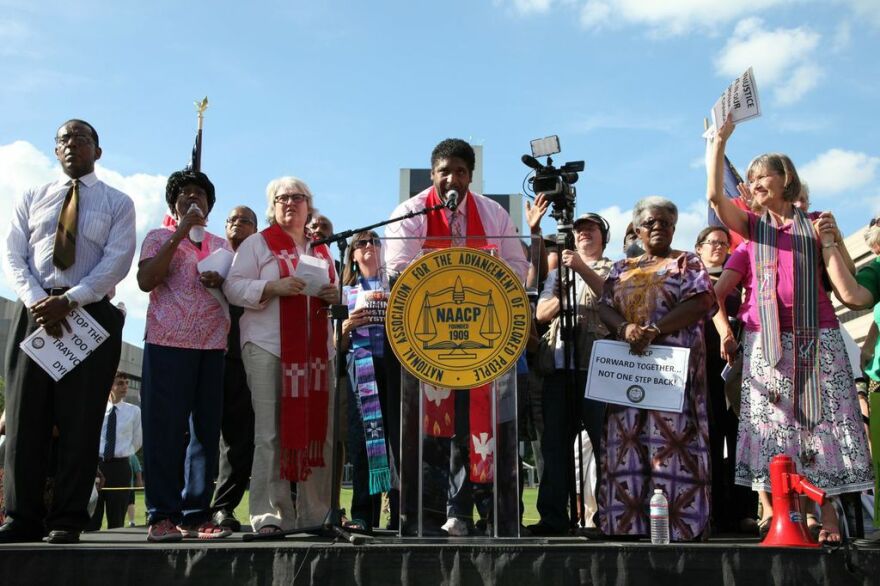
106 461
57 290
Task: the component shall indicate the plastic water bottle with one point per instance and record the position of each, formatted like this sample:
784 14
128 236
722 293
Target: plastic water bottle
659 518
196 233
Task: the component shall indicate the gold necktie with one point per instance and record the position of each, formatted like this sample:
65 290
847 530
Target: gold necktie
65 237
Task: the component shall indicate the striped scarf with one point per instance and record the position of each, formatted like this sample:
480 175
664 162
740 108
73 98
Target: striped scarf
807 403
369 407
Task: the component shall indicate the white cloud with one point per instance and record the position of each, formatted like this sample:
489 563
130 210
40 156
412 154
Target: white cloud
838 171
692 218
670 16
782 58
609 121
23 166
867 10
526 7
842 37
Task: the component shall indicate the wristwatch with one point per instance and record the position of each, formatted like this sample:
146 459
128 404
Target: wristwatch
70 301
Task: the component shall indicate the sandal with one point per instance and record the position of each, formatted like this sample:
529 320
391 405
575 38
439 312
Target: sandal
358 525
268 530
814 527
764 526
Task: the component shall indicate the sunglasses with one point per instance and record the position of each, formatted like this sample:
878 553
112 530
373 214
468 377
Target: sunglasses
365 241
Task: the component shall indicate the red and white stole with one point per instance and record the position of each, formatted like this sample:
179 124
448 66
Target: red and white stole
305 396
439 418
440 231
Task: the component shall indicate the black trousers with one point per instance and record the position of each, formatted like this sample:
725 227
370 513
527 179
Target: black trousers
75 404
236 437
117 474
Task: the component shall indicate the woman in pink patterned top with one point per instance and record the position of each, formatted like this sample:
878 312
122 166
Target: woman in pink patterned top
183 364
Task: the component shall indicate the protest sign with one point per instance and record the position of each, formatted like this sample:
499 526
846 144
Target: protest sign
58 356
375 303
740 99
653 380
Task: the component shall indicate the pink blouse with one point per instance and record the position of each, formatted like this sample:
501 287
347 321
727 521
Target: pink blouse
182 312
743 262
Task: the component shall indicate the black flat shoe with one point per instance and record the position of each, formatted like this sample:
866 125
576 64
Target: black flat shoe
63 536
12 532
541 529
227 519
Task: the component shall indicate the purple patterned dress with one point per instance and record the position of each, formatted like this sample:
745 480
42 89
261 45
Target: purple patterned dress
645 449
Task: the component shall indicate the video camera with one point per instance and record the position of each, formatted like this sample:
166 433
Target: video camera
557 185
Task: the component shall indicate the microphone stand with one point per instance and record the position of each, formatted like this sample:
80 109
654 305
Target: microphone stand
332 526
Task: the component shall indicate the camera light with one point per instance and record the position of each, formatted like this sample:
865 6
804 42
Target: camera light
542 147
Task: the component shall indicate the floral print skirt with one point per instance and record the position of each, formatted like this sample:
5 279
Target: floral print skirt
834 454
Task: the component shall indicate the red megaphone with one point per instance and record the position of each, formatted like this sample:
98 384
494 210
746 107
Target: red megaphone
786 486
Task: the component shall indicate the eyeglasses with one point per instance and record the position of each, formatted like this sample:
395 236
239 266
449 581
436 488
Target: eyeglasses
77 139
364 242
715 243
658 222
239 220
290 197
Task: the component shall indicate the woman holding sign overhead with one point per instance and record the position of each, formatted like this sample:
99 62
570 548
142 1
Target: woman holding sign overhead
659 297
798 395
285 347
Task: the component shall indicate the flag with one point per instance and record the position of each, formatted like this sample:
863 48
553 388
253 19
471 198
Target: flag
195 163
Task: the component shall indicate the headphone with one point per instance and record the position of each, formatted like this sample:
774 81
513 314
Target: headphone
605 227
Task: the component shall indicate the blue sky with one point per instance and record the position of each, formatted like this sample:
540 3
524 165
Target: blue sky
344 94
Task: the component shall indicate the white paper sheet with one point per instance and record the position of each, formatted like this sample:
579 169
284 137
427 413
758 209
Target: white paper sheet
58 356
314 271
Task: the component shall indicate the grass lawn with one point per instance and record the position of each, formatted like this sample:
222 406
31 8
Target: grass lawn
530 495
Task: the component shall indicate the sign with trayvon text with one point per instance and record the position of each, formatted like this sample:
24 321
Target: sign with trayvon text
58 356
655 379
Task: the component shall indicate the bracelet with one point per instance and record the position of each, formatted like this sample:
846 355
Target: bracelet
620 329
830 245
654 328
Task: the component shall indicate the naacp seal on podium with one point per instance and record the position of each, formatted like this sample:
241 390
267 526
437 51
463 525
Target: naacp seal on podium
458 318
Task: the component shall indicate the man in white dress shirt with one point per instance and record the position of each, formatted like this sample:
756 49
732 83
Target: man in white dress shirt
121 436
68 244
475 221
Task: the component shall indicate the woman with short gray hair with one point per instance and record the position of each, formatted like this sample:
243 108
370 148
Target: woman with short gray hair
659 297
285 347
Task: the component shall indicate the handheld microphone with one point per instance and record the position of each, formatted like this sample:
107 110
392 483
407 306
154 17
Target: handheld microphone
452 199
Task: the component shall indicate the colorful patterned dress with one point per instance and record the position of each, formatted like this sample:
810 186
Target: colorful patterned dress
644 449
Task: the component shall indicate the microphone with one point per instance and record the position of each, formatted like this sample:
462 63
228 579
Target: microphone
452 199
532 162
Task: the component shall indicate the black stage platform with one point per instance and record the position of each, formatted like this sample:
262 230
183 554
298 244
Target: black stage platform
123 557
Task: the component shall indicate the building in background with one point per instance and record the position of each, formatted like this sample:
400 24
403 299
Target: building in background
130 360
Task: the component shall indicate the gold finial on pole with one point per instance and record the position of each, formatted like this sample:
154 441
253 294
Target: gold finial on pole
201 106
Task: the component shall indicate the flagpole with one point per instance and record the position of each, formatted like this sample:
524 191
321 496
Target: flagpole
201 106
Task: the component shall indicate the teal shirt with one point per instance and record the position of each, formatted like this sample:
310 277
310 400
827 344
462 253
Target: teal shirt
869 278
